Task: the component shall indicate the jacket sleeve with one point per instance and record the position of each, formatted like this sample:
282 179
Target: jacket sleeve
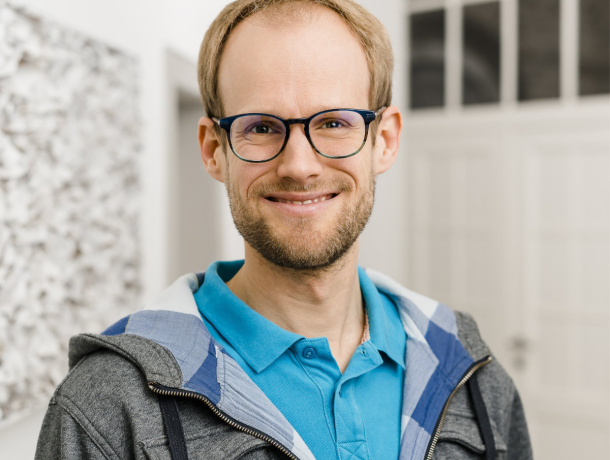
518 439
63 437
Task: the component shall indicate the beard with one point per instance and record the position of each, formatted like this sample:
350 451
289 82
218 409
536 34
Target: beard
302 247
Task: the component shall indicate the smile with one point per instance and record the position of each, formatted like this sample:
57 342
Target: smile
317 199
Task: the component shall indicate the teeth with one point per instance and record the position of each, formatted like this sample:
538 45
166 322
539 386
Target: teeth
300 203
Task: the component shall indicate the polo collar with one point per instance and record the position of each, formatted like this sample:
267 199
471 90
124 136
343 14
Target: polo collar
259 341
384 333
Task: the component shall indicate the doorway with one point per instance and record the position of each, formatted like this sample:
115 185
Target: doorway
195 204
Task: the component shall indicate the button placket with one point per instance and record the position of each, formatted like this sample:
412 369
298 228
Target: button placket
349 424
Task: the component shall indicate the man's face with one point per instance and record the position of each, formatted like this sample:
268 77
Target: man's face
300 210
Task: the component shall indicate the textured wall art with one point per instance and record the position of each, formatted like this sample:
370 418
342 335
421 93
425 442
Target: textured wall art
69 192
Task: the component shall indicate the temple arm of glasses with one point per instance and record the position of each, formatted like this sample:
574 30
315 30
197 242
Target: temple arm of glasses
380 111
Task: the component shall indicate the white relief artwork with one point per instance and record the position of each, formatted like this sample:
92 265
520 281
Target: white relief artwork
69 193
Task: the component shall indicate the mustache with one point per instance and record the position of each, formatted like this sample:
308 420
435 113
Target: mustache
335 186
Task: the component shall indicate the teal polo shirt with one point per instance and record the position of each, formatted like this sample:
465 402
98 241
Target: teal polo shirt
354 415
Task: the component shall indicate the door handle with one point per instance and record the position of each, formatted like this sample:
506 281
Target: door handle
519 347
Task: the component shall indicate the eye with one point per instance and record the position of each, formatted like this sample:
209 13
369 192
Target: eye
336 120
261 129
333 123
258 126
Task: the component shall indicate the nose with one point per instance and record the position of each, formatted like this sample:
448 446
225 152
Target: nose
299 161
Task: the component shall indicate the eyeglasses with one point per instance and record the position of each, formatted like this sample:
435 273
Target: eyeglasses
335 133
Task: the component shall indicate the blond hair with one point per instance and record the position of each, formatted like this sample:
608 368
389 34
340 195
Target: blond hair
370 32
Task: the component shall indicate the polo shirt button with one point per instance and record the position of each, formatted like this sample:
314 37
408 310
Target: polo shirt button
309 352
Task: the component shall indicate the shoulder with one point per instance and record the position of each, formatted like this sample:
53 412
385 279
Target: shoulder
99 373
107 393
502 403
493 377
502 399
100 410
469 335
106 400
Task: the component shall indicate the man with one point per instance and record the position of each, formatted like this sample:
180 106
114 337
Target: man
295 352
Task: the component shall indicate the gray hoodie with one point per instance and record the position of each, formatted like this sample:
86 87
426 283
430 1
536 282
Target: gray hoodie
458 401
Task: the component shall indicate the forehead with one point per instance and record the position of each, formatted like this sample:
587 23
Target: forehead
293 65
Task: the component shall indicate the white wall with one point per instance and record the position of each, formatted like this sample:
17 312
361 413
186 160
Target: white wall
384 241
146 30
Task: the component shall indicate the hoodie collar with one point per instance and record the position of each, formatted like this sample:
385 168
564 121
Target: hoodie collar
435 362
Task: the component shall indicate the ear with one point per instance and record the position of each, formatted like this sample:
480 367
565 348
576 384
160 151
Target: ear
212 152
387 139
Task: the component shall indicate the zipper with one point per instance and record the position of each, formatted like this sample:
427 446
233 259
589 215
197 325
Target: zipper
166 391
441 421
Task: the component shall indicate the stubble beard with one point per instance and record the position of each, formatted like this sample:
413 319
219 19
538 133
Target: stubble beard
305 249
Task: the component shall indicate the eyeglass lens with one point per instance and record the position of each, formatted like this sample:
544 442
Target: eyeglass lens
334 134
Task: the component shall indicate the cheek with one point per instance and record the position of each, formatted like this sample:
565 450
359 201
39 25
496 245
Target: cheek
244 177
360 168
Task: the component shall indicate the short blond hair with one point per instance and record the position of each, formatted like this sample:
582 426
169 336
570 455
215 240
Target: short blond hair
369 31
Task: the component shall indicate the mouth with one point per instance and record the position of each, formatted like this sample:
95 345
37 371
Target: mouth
302 201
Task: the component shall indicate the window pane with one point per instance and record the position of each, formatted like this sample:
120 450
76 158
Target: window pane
538 49
481 63
594 65
427 67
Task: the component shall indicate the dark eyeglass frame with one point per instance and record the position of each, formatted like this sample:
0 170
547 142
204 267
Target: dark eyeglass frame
367 115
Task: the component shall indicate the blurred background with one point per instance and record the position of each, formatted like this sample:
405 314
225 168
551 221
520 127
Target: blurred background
498 205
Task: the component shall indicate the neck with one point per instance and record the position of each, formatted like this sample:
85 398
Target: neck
321 303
